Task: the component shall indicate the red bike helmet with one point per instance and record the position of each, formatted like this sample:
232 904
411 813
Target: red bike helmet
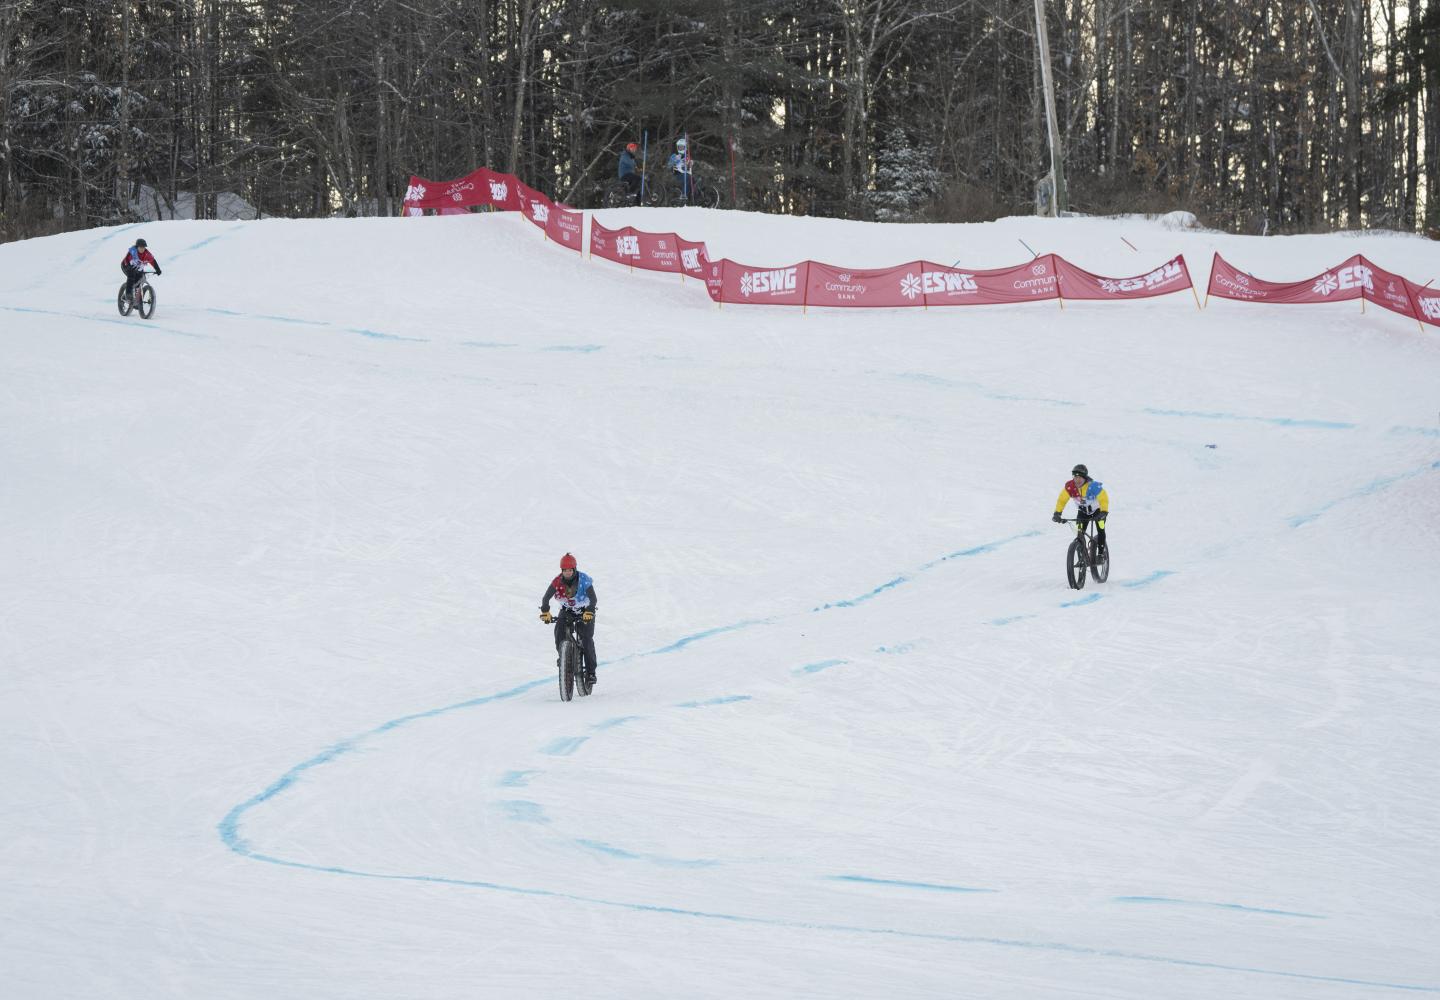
633 147
567 561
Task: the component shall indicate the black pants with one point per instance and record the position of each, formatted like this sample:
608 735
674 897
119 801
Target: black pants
632 181
586 631
132 275
1083 518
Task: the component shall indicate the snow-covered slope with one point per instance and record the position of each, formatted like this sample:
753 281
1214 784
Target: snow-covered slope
277 717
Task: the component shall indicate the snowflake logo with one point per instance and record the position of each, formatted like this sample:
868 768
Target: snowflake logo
746 283
415 192
1243 279
499 191
910 286
1109 286
1326 284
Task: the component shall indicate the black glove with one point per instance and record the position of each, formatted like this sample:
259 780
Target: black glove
158 271
1057 518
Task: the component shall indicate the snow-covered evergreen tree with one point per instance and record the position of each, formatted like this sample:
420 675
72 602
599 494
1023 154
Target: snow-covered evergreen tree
905 178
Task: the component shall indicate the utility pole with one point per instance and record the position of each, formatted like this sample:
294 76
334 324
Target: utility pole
1059 202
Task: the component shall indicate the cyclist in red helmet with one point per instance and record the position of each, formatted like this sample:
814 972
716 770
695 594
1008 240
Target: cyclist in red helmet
576 593
630 170
133 264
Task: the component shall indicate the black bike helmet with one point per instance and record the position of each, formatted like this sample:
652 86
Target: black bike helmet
140 243
1080 470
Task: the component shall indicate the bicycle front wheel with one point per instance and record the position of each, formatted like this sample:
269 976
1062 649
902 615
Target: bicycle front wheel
567 663
1075 564
147 302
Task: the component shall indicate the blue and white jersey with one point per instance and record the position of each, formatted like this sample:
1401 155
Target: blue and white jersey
583 597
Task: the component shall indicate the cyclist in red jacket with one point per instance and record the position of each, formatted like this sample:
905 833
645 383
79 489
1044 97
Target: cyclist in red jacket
133 264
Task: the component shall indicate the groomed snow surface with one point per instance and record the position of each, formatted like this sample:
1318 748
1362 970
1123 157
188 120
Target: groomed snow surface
277 718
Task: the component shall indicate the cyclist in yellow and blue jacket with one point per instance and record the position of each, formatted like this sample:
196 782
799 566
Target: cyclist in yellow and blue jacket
1092 503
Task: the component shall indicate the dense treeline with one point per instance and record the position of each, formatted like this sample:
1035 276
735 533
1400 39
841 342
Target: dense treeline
1260 115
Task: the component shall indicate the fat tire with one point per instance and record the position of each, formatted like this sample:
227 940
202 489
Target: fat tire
1075 565
123 303
567 670
147 302
1099 564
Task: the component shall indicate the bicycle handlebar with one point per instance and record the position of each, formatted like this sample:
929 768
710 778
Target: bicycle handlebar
1071 520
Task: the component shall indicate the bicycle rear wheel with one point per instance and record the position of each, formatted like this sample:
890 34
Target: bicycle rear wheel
1075 564
1099 562
123 303
567 663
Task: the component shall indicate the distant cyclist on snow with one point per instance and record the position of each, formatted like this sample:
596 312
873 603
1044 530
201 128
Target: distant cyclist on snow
133 264
630 170
1092 503
576 593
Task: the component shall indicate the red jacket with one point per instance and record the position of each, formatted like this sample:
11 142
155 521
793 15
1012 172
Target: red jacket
135 257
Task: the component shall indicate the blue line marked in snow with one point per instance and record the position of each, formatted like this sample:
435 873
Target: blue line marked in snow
1145 581
290 319
1369 489
687 640
1423 431
815 668
96 244
865 597
725 700
980 390
620 721
900 883
576 348
525 812
879 932
1090 599
229 831
205 242
136 324
1012 618
654 859
1329 425
564 746
384 336
516 779
229 827
980 550
1222 906
897 650
485 343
